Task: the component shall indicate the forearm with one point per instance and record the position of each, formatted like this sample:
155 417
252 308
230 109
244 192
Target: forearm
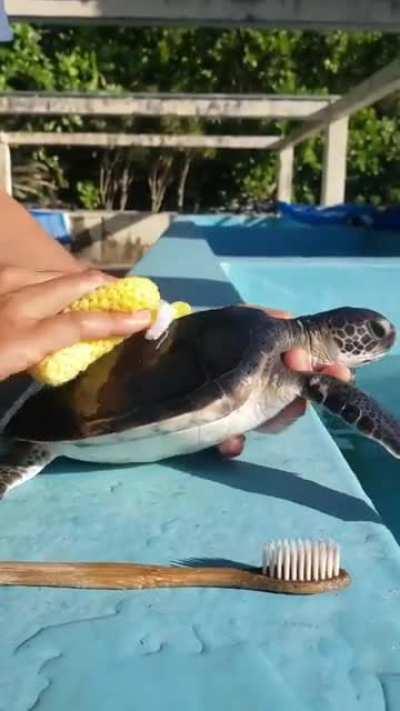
24 243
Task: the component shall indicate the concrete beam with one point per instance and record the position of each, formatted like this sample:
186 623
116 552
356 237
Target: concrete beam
380 15
380 84
206 105
5 168
147 140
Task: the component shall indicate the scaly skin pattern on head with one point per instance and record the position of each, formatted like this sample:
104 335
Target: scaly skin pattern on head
349 336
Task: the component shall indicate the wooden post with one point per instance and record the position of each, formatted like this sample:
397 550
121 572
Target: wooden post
285 179
5 168
334 162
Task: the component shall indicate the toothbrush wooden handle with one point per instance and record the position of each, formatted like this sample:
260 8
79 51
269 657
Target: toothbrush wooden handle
129 576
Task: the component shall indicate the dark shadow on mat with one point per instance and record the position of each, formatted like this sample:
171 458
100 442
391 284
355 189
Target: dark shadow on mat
377 472
251 478
204 292
277 483
382 488
282 238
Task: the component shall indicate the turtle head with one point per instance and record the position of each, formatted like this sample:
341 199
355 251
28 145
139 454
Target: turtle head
350 336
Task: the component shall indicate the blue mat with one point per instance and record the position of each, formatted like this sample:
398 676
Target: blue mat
302 286
200 650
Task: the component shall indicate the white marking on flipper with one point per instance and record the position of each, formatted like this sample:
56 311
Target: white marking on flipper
36 458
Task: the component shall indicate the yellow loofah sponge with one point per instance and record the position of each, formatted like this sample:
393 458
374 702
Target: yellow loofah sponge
126 295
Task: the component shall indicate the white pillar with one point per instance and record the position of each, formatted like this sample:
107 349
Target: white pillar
5 168
334 162
285 179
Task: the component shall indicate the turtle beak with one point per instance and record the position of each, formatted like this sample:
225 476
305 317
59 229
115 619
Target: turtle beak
384 331
390 338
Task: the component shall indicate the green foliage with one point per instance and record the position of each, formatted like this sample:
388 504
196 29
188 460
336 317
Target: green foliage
24 65
125 59
38 178
89 194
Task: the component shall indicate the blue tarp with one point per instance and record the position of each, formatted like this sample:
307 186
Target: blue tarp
346 214
55 222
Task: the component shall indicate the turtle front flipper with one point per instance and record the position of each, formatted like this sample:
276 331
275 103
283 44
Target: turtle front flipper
22 462
356 408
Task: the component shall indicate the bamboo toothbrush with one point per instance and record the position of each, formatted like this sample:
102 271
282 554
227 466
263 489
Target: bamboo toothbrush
294 567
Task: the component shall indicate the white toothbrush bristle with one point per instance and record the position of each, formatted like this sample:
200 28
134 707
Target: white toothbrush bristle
329 560
293 557
308 554
286 560
315 561
272 559
279 559
301 560
322 560
336 565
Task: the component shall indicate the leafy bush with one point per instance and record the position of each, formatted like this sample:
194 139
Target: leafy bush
125 59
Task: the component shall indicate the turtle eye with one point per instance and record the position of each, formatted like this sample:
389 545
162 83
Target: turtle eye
378 329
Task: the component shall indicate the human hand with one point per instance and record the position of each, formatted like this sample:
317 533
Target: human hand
33 324
296 359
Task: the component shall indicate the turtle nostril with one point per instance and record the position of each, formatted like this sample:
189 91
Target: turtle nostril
379 328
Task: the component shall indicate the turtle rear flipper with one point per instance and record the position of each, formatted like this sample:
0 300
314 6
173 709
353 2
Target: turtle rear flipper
356 408
22 462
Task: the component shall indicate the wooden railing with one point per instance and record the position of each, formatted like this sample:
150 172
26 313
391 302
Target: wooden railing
206 106
318 114
334 120
239 106
376 15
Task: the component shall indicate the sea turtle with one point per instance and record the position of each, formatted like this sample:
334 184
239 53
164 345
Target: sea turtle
211 375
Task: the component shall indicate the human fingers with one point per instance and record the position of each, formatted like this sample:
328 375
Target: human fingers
51 296
232 447
14 278
65 329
